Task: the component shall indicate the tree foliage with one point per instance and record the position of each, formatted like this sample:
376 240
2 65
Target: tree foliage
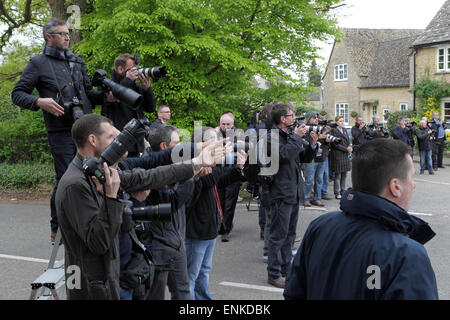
212 49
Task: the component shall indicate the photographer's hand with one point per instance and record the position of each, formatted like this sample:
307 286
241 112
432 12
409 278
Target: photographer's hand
241 159
112 183
110 97
301 131
145 81
50 105
314 138
211 155
132 74
141 195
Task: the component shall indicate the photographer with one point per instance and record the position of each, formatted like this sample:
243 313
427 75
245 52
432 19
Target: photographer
126 74
400 131
285 189
438 127
424 140
60 77
411 132
359 132
341 154
376 129
90 214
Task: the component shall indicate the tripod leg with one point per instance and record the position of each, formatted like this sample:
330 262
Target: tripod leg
55 249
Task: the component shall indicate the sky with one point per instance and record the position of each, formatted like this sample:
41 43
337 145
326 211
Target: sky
384 14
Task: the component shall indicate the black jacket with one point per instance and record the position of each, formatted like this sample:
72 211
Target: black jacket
423 138
287 183
202 216
120 113
340 249
359 137
38 74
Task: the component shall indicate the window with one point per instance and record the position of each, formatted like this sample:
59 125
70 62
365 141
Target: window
340 72
342 110
374 110
403 106
443 60
385 110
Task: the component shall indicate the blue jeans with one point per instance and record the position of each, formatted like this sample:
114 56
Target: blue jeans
126 294
426 158
313 174
199 262
326 177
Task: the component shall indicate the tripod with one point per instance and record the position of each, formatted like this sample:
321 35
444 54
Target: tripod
47 285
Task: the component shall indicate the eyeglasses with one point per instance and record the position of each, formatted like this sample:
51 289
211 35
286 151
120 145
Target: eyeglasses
62 34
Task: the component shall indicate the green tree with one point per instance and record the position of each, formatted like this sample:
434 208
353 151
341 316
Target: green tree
315 75
212 49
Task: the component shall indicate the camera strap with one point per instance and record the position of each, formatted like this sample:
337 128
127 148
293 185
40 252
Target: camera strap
54 76
147 255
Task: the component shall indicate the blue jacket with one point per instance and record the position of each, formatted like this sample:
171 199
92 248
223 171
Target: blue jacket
340 249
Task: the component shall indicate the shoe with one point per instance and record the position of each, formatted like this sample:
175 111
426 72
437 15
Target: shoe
225 237
317 203
431 172
326 197
442 167
278 282
307 204
338 196
421 172
261 235
435 169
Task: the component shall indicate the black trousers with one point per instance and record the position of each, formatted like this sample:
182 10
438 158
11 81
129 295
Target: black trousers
63 150
228 199
438 152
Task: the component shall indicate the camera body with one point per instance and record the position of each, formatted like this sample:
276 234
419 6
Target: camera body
133 130
155 73
74 108
410 124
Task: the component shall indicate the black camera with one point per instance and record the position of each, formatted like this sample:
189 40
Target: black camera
155 73
126 95
74 108
410 124
133 130
159 212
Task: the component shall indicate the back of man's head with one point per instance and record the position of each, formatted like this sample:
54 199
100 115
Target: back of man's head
161 134
278 111
87 125
377 162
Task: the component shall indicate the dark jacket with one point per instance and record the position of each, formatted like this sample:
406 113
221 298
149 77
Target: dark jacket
38 74
339 250
120 113
202 215
90 225
401 134
320 153
340 161
359 137
423 138
373 133
287 183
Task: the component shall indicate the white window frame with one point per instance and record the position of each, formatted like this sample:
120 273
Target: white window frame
385 110
342 109
445 59
403 104
374 110
341 72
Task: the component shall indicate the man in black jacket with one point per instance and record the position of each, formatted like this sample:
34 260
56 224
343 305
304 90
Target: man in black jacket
438 127
425 142
285 189
126 74
359 131
59 76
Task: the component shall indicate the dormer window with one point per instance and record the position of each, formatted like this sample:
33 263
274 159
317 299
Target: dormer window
340 72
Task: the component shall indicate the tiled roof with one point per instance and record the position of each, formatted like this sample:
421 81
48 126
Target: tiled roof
438 30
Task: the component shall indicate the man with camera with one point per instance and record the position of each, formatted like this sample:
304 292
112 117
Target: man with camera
372 249
65 92
90 213
425 141
285 189
438 127
359 132
376 129
126 74
400 131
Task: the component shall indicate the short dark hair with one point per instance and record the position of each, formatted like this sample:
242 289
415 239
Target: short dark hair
278 111
50 26
87 125
162 106
160 134
376 162
121 61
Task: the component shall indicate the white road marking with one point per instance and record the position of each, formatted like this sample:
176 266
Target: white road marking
7 256
420 214
250 286
314 208
435 182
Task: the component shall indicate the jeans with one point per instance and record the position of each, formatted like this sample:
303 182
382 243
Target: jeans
126 294
313 174
339 182
425 158
283 224
199 262
63 151
326 177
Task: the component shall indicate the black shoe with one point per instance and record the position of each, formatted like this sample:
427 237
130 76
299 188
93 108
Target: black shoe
431 172
261 235
278 282
442 167
225 237
421 172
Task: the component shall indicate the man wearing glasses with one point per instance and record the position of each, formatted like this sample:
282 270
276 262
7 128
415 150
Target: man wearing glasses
59 76
126 74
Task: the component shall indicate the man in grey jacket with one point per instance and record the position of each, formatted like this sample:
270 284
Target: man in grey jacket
90 214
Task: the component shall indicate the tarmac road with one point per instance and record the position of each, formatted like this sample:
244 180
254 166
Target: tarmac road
238 270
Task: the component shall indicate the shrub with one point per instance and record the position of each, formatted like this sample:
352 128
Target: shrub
26 175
